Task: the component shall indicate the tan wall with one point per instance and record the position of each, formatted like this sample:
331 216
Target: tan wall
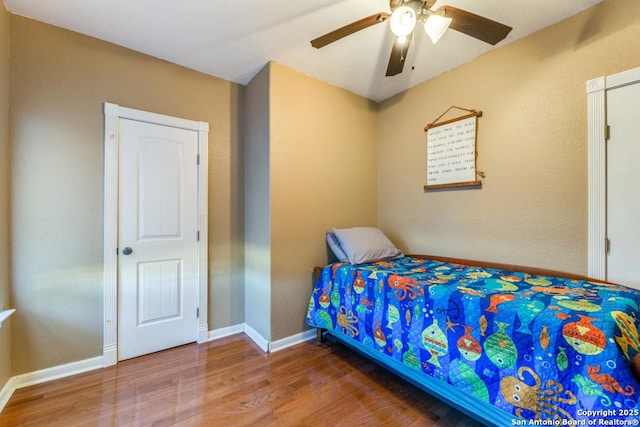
532 143
58 82
323 175
5 335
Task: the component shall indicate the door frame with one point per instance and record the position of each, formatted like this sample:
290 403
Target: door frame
112 114
597 136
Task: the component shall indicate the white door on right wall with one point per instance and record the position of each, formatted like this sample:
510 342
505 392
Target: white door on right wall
623 185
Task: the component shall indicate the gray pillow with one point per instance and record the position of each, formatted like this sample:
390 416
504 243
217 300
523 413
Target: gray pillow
365 244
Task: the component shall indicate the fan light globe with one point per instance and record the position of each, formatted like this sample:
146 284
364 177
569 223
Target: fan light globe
435 26
403 21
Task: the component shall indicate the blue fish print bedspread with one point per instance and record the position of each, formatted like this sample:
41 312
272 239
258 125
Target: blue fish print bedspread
536 347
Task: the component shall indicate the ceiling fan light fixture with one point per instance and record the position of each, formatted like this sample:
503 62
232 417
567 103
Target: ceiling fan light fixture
403 21
435 27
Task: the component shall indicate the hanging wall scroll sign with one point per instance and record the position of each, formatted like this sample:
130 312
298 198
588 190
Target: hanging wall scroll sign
452 152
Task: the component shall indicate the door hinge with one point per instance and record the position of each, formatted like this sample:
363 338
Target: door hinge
607 245
198 312
198 236
607 132
198 159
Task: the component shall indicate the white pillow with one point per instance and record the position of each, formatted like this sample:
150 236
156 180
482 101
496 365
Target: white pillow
365 244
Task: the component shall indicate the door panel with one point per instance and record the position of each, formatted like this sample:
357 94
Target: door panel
160 189
158 289
623 175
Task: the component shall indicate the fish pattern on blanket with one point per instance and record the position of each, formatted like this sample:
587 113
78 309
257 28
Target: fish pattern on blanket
537 347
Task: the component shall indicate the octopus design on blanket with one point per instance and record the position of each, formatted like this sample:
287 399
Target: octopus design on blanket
404 287
346 319
543 402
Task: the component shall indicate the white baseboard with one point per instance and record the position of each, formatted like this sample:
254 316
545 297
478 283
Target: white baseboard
44 375
293 340
264 344
257 338
56 372
109 355
6 393
203 334
225 332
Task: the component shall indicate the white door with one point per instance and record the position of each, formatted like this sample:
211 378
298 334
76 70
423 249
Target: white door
623 185
157 240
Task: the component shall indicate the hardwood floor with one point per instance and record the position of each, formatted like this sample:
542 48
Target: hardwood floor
231 382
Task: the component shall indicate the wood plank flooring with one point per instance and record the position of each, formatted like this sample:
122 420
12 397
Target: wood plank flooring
231 382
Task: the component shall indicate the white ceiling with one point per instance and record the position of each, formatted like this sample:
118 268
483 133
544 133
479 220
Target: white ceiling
233 40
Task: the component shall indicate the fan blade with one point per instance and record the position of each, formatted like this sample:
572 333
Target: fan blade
398 56
356 26
474 25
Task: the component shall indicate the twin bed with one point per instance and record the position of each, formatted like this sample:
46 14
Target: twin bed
505 346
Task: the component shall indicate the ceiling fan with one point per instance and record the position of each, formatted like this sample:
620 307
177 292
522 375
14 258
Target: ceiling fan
406 14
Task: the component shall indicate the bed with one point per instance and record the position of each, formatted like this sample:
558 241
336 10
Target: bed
506 346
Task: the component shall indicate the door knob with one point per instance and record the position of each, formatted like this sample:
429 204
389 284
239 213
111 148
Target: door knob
127 251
